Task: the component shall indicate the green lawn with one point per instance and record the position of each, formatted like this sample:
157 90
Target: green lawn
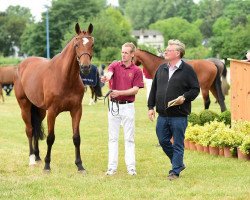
206 176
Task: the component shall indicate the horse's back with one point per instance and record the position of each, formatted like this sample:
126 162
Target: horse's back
7 74
206 71
218 63
31 64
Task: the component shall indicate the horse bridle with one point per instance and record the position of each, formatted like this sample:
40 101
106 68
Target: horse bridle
84 53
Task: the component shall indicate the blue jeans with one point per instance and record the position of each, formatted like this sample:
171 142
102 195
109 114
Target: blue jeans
166 128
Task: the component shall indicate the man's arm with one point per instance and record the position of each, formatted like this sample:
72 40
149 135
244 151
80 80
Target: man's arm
132 91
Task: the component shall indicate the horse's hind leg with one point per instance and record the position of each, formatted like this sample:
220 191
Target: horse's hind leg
1 92
76 117
25 106
206 98
92 99
220 99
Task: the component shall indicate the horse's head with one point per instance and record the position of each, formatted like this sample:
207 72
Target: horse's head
83 44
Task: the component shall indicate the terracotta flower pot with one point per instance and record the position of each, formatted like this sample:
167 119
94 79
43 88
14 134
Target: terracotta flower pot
214 150
186 144
221 152
192 146
227 152
206 149
199 147
242 155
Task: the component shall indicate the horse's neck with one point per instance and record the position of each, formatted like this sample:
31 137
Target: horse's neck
70 69
151 63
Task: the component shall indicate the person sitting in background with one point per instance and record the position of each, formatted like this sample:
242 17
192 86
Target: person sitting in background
248 56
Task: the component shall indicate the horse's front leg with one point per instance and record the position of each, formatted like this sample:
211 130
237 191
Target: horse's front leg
50 138
76 115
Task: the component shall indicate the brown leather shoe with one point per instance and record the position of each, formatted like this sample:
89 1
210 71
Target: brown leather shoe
172 176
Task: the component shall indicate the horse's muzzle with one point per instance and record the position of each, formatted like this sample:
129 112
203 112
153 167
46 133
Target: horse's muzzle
85 69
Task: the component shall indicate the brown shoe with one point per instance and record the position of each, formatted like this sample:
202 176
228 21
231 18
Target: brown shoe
172 176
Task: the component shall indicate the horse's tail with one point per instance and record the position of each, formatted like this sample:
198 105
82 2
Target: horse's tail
221 97
224 85
36 121
97 87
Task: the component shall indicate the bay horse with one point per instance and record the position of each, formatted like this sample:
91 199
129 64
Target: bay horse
54 86
207 74
6 76
223 74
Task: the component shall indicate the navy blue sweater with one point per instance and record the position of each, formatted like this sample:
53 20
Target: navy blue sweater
183 82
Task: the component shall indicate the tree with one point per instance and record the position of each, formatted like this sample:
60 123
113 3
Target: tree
209 11
178 28
111 30
12 25
62 14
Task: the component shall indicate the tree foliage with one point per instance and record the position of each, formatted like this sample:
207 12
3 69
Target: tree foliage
61 15
178 28
12 24
111 30
220 26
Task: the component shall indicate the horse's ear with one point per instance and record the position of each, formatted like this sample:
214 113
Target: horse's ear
90 28
77 28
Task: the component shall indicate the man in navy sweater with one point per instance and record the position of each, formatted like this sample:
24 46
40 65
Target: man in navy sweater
174 87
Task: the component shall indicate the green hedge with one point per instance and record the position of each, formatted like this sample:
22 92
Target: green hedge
207 116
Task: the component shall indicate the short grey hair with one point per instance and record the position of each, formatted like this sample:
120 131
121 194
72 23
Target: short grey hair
179 46
131 45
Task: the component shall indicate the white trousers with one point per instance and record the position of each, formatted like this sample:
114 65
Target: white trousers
126 118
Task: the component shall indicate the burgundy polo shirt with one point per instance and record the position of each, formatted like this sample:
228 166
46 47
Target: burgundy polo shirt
125 78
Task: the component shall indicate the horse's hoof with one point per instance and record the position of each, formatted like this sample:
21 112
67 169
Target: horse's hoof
32 164
83 172
39 162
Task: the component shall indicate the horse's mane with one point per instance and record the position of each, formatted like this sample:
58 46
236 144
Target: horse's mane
150 53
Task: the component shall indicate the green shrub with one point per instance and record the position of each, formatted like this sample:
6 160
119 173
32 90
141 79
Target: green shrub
241 126
9 61
193 132
245 146
193 118
207 116
225 117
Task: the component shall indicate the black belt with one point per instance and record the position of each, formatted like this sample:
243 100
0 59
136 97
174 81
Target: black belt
121 102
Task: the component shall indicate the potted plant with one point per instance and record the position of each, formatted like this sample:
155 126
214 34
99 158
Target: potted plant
244 148
229 140
192 134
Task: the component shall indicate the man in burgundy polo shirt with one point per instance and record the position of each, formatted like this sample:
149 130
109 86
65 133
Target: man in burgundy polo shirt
125 79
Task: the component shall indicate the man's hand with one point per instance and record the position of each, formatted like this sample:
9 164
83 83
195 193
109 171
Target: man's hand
115 93
180 100
106 77
151 115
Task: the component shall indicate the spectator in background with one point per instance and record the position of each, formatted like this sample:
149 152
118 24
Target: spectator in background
248 56
101 73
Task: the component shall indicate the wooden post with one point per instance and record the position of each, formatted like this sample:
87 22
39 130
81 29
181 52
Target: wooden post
240 89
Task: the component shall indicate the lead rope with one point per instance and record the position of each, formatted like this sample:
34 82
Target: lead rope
113 112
